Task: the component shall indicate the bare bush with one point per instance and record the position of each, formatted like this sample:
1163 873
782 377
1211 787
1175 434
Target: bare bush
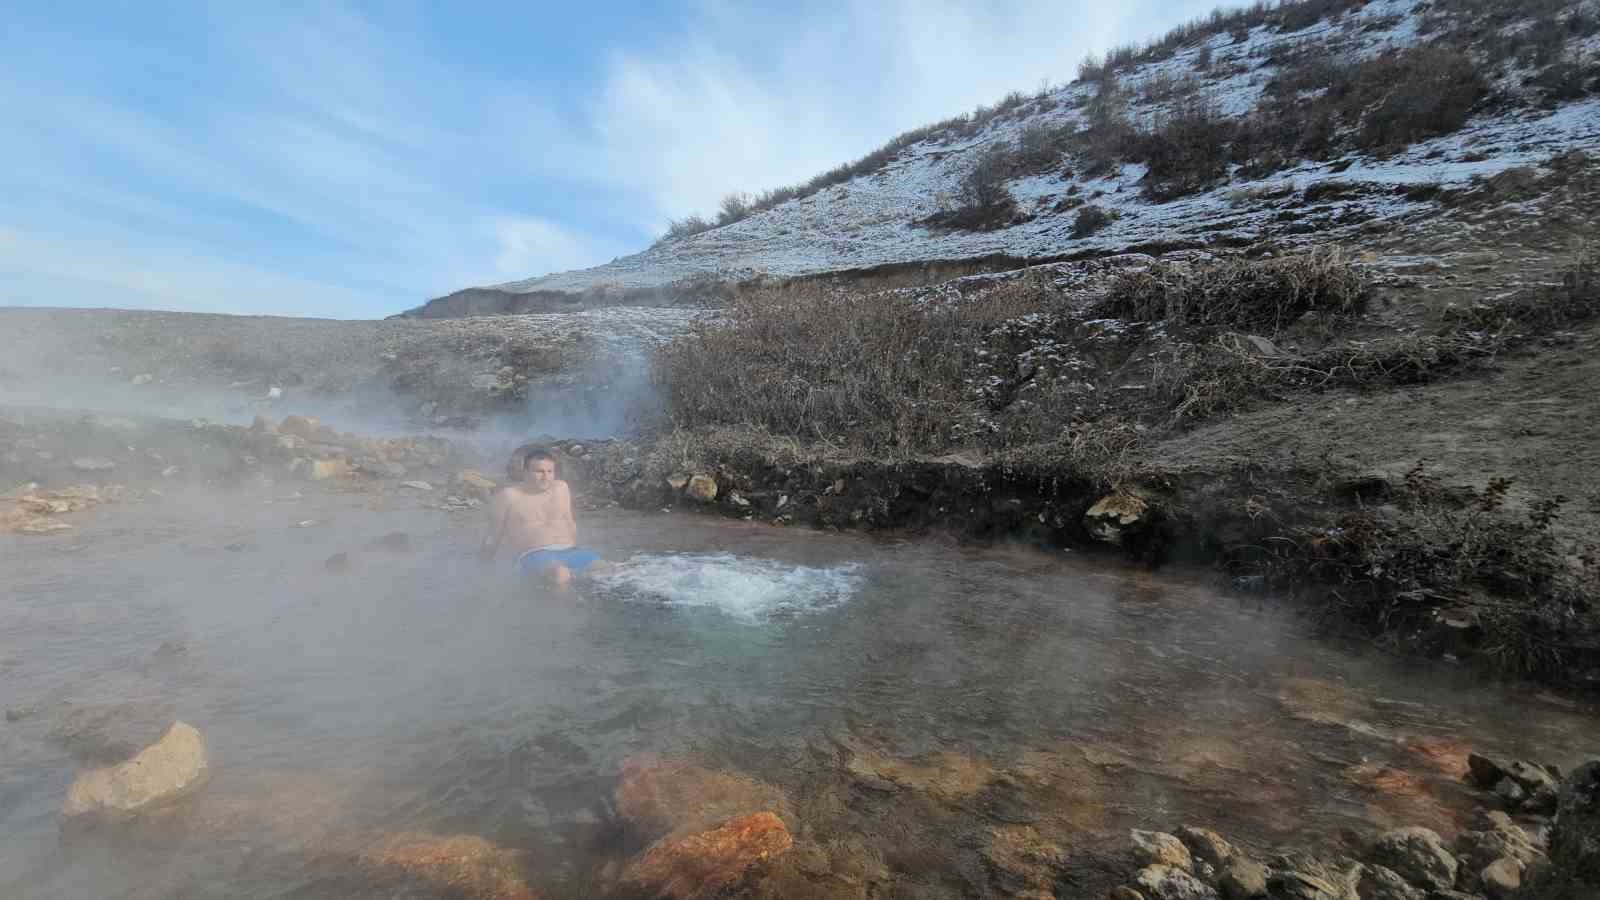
985 185
1089 220
1187 150
1039 147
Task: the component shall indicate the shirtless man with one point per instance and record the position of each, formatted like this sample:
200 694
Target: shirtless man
533 516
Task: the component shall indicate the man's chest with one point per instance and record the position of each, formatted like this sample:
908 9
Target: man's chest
536 510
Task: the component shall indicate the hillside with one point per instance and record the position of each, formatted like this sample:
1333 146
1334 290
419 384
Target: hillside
1183 145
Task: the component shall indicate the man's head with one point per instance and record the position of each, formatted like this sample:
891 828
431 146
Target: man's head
534 466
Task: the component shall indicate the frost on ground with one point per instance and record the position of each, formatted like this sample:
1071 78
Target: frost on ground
868 221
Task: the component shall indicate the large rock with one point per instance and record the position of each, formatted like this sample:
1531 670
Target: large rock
1501 878
1496 837
709 863
1574 870
305 428
166 770
1418 855
702 488
1242 879
465 866
1206 845
1155 848
325 469
1113 517
473 483
1382 883
105 734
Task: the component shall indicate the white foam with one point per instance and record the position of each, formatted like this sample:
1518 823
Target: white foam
751 590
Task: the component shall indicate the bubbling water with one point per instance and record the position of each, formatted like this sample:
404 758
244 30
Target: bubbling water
746 589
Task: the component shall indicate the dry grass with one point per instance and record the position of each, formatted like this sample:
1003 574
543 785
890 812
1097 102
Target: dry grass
1258 296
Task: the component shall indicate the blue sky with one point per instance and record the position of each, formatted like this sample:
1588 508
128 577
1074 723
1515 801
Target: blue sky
351 161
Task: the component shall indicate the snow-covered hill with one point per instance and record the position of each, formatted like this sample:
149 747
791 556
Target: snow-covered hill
870 220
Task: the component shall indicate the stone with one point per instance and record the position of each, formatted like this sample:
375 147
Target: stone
1510 793
1124 893
1022 861
1205 845
105 734
702 488
1575 838
655 796
158 774
305 428
1530 777
1479 848
417 485
1171 883
1260 344
1155 848
1242 879
712 863
474 484
1543 800
678 481
1502 878
92 464
1293 885
465 866
143 378
1418 855
263 425
325 469
738 500
1114 516
1382 883
1484 772
42 526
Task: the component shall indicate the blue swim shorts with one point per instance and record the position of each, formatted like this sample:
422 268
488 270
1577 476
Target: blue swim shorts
576 559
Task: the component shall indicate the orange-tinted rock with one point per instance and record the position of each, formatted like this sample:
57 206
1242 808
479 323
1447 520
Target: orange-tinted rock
1445 755
656 796
709 863
950 777
465 864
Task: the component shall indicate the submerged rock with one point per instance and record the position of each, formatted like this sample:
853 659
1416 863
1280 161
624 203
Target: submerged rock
105 734
710 863
656 796
465 865
164 771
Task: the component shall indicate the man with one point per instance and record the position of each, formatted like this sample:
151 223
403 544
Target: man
533 516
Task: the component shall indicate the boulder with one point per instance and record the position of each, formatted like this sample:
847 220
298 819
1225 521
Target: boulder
160 773
1242 879
678 481
1155 848
1501 878
1114 516
325 469
1206 845
702 488
1498 837
1295 885
1418 855
712 863
1171 883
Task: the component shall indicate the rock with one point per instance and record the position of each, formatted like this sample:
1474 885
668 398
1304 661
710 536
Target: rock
1382 883
1293 885
465 866
1543 800
324 469
1510 793
474 484
1259 344
702 488
305 428
655 796
18 713
417 485
42 526
1418 855
1574 869
1484 772
1170 883
1242 879
1114 516
1206 845
710 863
1022 861
1502 838
143 378
950 778
1530 777
1502 878
1123 893
93 464
738 500
105 734
678 481
1155 848
164 771
263 425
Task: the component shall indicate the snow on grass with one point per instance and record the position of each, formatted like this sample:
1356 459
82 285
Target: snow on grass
868 221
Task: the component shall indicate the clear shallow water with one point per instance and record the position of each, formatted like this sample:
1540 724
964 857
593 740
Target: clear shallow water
911 699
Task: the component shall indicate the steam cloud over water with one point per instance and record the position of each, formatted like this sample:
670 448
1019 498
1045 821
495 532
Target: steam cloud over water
750 590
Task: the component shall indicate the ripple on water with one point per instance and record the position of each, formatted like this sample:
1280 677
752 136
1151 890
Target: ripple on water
751 590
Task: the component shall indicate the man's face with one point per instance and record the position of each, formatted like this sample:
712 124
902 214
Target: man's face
539 474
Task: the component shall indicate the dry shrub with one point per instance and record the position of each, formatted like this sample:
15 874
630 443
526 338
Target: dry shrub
1261 296
1089 220
879 372
1409 95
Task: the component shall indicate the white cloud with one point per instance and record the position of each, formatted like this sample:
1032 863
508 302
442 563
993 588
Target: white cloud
534 245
